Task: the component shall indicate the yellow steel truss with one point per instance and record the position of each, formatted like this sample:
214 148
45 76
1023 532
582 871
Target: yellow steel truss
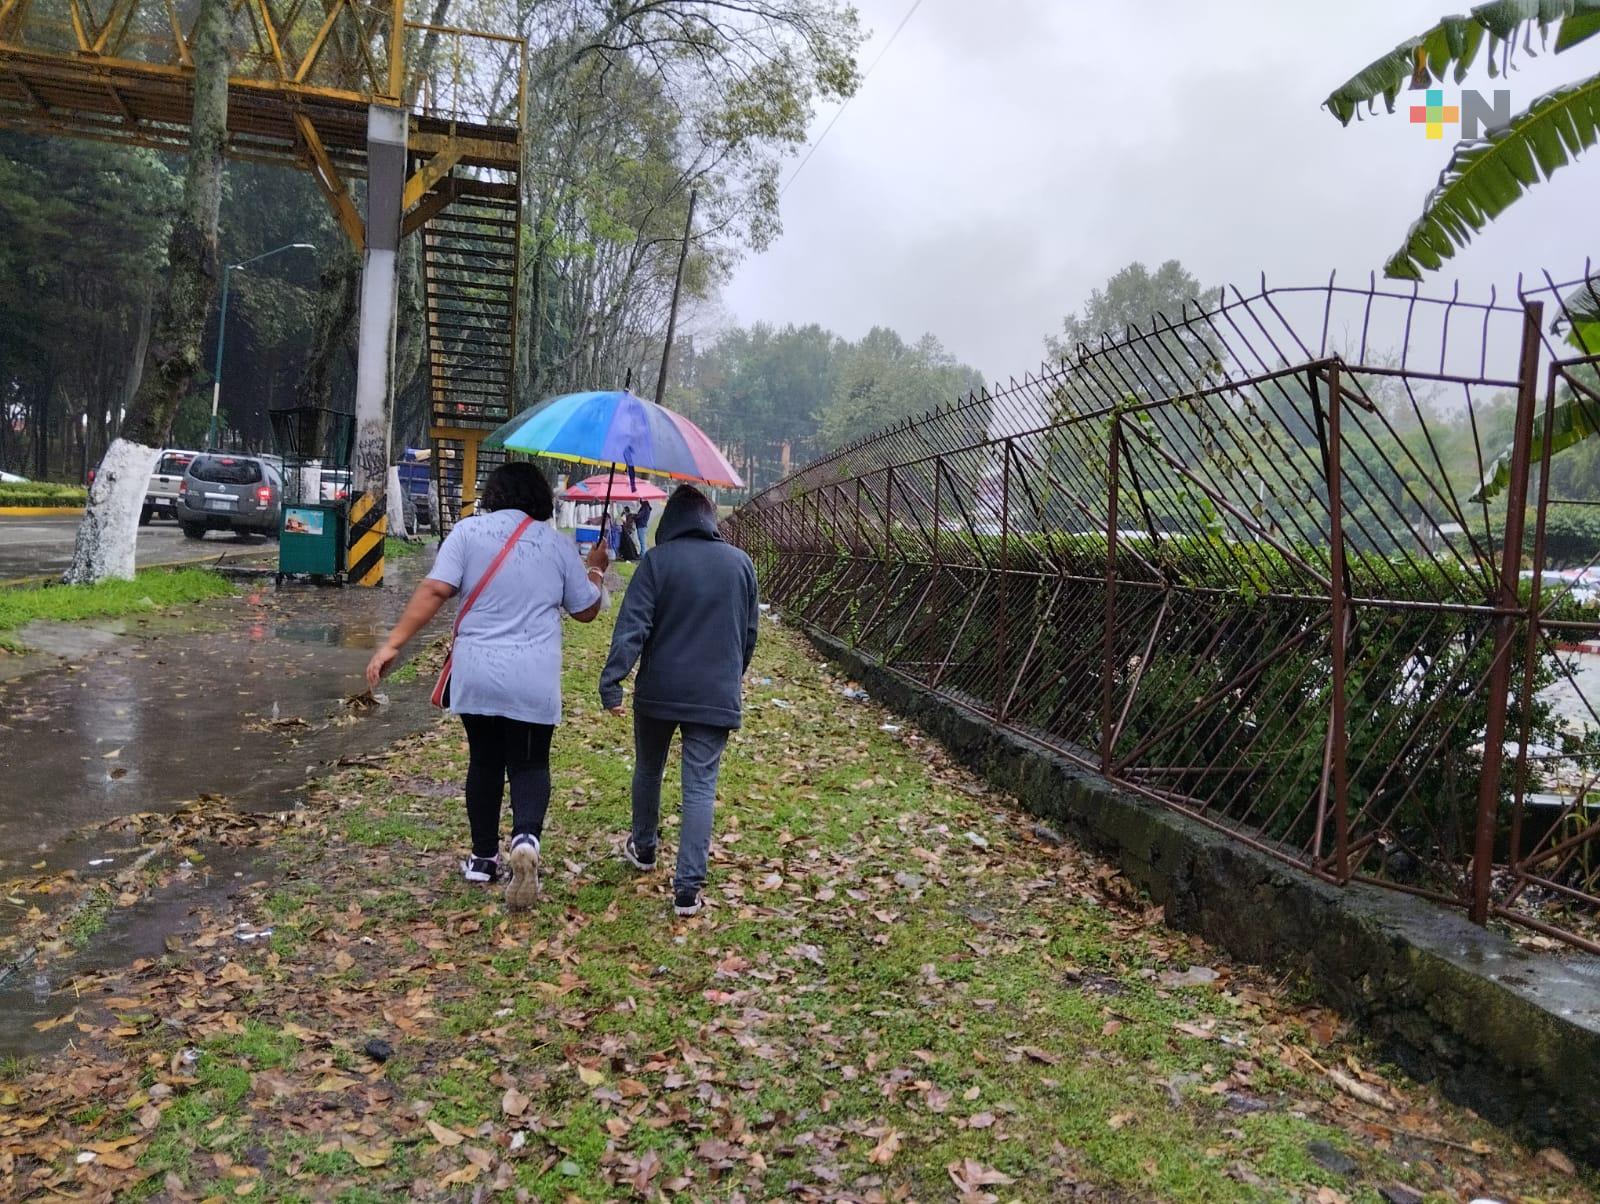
303 76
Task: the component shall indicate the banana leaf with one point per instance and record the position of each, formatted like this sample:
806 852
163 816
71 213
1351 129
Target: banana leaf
1572 421
1581 317
1486 176
1454 44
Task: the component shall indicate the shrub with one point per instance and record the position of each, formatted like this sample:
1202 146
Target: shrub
42 493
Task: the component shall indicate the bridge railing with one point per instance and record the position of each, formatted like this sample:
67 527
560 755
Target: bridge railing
1239 562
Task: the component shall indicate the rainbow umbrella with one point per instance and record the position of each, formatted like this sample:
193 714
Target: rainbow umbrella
617 430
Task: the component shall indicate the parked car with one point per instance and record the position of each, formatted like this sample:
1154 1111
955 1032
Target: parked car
335 484
161 495
229 493
11 478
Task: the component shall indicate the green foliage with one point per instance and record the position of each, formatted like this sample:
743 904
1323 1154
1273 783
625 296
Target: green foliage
1582 317
84 230
756 389
42 493
884 380
1231 698
151 590
1484 177
1571 535
1572 421
1134 299
633 105
1453 45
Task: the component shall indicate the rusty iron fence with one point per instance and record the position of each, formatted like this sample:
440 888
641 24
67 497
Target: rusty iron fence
1239 562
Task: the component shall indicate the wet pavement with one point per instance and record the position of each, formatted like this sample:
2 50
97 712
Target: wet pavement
240 697
39 1001
41 545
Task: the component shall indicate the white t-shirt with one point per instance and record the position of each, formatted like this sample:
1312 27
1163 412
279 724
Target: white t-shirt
508 651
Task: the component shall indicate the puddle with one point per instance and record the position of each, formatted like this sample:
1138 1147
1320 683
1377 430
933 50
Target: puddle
36 995
332 635
240 697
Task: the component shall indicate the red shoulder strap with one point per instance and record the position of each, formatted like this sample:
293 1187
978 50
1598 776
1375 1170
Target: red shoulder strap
488 576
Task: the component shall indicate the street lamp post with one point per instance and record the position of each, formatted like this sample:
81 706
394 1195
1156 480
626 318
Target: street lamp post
222 330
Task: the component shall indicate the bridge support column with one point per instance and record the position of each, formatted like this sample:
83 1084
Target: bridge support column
386 180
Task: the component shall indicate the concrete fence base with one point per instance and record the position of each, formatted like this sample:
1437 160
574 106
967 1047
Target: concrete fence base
1513 1034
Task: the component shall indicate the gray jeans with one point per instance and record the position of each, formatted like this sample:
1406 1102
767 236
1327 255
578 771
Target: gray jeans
702 760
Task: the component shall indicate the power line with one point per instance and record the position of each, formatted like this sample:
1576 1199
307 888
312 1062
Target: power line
812 149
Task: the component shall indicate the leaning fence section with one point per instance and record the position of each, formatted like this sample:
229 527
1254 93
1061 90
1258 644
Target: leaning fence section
1277 562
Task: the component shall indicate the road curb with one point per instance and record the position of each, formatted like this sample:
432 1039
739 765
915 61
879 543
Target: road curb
40 511
216 563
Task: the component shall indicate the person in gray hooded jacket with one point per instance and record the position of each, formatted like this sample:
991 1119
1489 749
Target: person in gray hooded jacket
689 620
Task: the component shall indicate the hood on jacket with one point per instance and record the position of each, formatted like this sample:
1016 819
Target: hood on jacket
682 521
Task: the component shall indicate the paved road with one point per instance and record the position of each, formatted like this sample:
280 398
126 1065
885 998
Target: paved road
36 546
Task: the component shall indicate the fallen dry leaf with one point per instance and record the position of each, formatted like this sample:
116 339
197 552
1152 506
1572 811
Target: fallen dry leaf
514 1102
968 1175
444 1136
366 1155
1557 1161
888 1146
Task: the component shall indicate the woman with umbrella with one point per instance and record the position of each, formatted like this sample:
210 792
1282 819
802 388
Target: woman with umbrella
504 671
689 618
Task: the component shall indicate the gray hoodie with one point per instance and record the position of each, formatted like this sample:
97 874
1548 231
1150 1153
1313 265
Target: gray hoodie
689 618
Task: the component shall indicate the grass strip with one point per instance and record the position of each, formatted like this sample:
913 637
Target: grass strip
150 590
901 991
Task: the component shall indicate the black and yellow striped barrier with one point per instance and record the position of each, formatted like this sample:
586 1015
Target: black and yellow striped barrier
369 522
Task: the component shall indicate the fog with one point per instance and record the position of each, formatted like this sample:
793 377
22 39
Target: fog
1006 157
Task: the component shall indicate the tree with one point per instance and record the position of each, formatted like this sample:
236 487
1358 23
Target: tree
85 227
106 538
633 104
885 380
1132 300
1484 176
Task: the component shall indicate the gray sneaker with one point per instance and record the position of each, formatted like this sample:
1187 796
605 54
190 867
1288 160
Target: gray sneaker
523 889
640 859
686 901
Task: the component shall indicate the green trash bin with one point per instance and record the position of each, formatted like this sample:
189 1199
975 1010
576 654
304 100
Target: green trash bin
314 442
311 540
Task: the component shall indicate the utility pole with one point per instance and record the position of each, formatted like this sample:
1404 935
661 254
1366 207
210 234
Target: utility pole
677 288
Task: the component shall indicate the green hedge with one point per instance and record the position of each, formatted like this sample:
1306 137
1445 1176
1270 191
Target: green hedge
1571 535
1233 691
41 493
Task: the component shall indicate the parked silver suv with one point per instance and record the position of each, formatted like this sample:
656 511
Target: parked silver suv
229 493
161 494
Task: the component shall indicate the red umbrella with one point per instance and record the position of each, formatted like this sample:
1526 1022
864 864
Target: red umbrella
616 487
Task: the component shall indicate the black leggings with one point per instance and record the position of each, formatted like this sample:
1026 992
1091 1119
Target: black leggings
500 748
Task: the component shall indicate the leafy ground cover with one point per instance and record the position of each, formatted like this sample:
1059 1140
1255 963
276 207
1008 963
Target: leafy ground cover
903 989
41 493
401 549
152 589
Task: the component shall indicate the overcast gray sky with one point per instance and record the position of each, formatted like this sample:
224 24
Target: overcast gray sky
1008 155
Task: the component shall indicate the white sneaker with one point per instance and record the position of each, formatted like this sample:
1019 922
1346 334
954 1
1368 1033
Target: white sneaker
523 889
481 869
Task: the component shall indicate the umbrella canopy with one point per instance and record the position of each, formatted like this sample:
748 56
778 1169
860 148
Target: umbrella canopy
614 485
617 429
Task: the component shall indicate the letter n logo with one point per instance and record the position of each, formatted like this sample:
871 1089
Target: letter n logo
1477 114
